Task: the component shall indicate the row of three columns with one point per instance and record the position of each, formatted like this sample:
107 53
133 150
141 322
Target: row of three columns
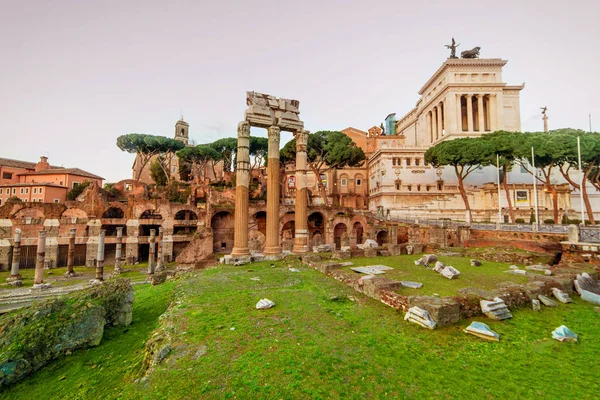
241 228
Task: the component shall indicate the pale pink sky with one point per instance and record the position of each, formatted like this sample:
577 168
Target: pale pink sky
74 75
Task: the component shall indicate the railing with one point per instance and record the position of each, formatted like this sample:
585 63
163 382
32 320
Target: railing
588 234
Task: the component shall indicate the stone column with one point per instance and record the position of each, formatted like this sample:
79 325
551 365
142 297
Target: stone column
480 113
71 253
132 242
440 121
100 257
301 209
545 118
434 122
52 227
38 279
240 232
470 112
429 131
151 245
459 112
118 250
272 247
493 107
159 252
15 278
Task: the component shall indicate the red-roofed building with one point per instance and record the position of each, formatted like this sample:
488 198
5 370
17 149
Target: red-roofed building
40 182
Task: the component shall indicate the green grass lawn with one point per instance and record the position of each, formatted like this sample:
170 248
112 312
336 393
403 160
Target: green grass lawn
322 340
487 276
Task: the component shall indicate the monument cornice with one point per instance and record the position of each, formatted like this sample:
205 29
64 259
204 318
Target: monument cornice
466 62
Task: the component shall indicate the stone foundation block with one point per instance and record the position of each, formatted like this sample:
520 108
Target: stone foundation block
444 311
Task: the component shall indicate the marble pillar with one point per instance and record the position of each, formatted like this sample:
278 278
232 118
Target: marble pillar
71 253
470 113
100 257
301 207
440 121
493 106
459 118
118 251
545 118
434 122
15 277
38 278
151 251
240 232
272 247
428 127
480 113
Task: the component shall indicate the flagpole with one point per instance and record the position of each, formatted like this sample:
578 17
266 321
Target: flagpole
581 182
498 177
535 197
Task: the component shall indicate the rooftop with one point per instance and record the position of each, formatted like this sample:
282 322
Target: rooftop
72 171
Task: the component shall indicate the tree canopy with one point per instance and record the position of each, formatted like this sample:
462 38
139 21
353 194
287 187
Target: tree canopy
200 157
147 146
228 148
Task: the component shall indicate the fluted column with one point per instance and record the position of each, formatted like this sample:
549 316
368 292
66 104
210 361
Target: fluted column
493 106
301 214
38 278
480 113
100 258
459 117
240 231
272 247
71 253
434 122
15 277
470 112
118 251
440 121
428 127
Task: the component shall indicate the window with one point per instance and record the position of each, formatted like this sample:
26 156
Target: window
24 200
398 185
21 191
60 183
14 190
408 162
40 190
1 190
40 200
34 191
409 188
418 188
128 187
358 182
26 190
56 200
440 185
427 188
394 161
74 184
417 162
173 169
0 202
344 182
7 175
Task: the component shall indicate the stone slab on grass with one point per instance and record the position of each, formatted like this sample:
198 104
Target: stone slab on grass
495 309
547 301
561 296
564 334
372 269
420 317
413 285
483 331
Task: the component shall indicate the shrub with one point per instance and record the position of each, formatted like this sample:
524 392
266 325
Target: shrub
519 221
549 221
77 190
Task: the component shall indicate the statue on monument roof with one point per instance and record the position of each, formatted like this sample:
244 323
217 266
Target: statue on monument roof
452 48
473 53
544 109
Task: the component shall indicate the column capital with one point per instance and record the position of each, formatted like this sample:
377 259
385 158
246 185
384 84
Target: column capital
243 129
301 136
274 133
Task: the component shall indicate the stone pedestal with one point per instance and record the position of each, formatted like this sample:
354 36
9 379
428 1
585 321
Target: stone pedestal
272 248
240 238
301 206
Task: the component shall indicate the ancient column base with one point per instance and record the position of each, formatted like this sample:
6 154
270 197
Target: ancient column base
117 271
300 243
14 280
96 282
238 252
41 286
273 257
69 274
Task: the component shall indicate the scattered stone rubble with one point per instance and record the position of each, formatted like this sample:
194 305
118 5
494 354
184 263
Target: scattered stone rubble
368 244
564 334
535 304
495 309
420 317
561 296
588 288
372 269
450 272
483 331
429 259
413 285
264 304
476 263
547 301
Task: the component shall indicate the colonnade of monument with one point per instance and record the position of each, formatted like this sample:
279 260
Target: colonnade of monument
473 113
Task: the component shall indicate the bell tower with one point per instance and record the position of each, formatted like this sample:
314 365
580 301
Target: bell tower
181 131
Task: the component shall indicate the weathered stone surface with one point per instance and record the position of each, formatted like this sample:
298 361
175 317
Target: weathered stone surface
347 264
258 257
368 244
476 263
535 304
199 249
444 311
412 285
586 282
341 254
516 272
561 296
483 331
418 262
371 269
158 278
450 272
564 334
420 317
324 248
429 259
439 266
370 252
264 304
548 302
495 309
310 258
32 337
513 267
383 253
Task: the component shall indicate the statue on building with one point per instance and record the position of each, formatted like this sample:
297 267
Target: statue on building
473 53
544 109
452 48
382 127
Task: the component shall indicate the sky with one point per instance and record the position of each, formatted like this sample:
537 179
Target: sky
75 75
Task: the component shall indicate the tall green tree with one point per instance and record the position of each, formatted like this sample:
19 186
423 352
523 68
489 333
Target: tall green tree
259 147
326 150
227 147
590 160
158 174
464 155
551 150
148 146
201 157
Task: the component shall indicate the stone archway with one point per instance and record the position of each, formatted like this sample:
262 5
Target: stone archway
339 231
260 219
222 224
357 233
316 227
